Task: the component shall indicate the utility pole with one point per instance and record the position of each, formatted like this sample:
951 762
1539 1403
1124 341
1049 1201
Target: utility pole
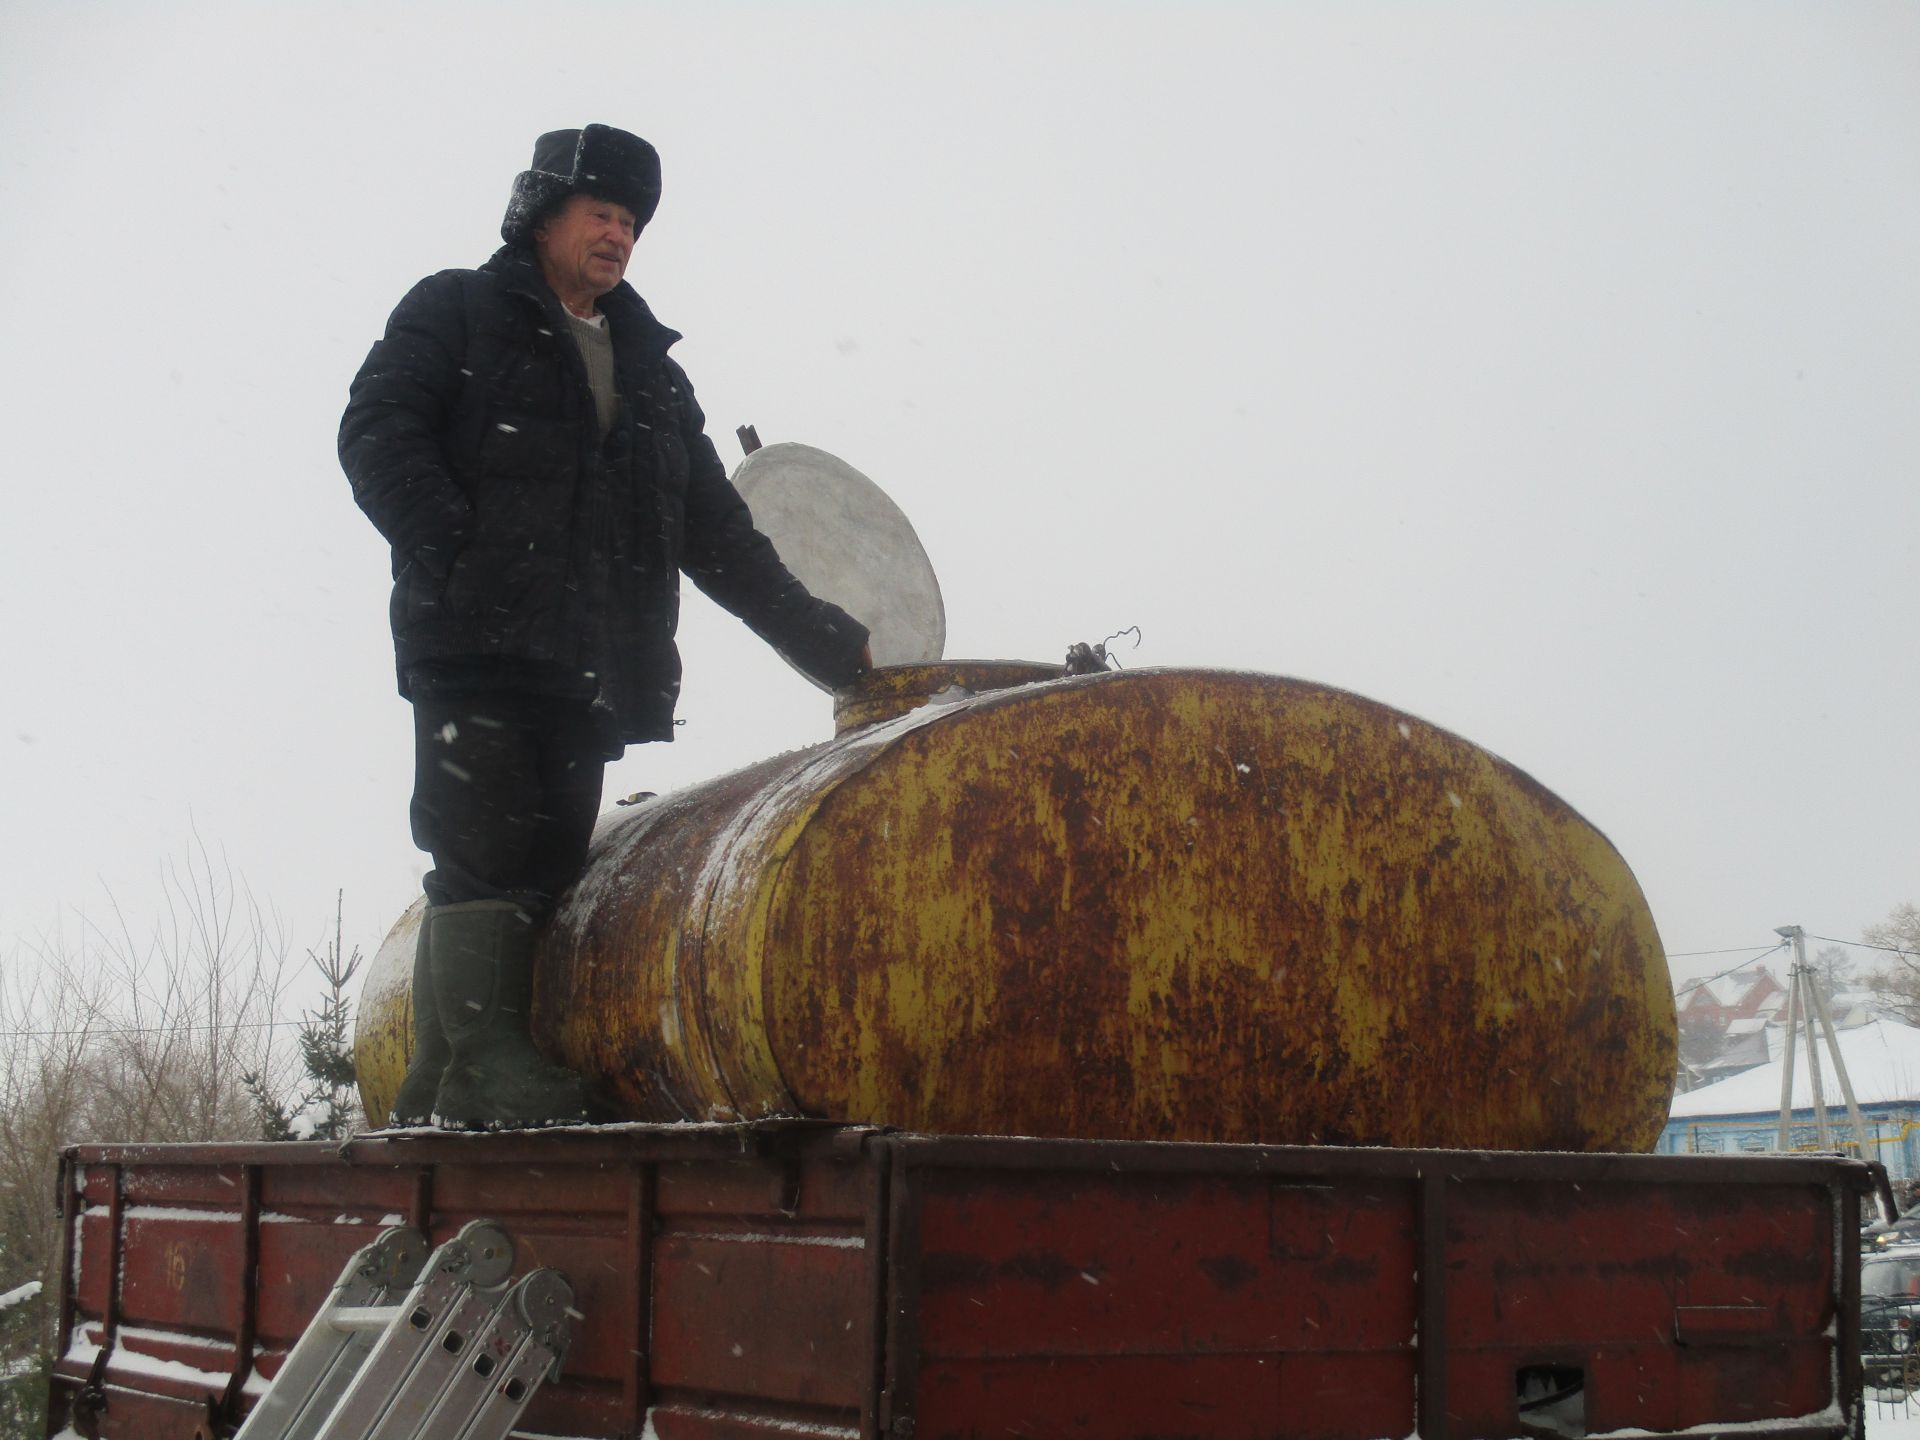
1805 1000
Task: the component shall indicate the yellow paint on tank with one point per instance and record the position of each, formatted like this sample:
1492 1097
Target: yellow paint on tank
1151 904
383 1020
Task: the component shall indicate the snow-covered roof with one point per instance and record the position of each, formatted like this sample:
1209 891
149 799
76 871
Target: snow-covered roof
1700 992
1747 1025
1731 990
1883 1063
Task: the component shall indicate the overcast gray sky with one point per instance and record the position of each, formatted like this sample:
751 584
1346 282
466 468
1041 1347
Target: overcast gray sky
1549 371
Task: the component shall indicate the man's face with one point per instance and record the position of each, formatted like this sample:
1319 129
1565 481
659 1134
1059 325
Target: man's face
584 247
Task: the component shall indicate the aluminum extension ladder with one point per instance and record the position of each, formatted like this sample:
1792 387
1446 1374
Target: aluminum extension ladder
411 1346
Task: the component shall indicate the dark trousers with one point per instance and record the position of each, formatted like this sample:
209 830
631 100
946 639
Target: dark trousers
506 788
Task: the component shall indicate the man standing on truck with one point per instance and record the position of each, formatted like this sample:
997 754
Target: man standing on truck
541 469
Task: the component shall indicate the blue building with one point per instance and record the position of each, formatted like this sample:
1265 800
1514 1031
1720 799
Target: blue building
1742 1113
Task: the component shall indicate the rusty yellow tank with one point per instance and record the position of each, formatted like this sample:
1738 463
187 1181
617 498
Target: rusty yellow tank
1165 904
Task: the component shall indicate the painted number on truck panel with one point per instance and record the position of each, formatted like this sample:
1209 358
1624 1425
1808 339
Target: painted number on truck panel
174 1262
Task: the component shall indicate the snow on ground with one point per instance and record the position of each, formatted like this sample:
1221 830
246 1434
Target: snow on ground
1888 1423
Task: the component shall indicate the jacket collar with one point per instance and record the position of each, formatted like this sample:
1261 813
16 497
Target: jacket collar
635 332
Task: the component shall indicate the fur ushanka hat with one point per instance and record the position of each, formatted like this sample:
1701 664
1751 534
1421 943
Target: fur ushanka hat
599 161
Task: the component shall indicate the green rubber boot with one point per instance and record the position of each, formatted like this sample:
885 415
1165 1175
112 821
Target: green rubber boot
483 987
414 1104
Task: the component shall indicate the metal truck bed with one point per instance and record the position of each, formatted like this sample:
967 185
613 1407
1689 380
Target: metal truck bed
807 1280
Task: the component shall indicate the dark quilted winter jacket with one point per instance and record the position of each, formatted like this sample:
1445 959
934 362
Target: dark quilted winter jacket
519 538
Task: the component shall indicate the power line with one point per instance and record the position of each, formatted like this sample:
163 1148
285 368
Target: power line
1709 979
1689 954
106 1030
1864 945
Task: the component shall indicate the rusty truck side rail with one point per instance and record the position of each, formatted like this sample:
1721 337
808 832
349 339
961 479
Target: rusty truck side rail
820 1280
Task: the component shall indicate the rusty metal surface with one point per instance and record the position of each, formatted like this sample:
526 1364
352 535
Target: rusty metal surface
1215 907
383 1020
895 689
1139 905
704 1261
1314 1294
799 1279
628 990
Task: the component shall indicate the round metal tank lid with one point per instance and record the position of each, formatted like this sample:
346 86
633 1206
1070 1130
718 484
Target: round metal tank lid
892 690
849 543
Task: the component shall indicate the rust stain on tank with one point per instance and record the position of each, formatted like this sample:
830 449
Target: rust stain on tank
1151 904
383 1020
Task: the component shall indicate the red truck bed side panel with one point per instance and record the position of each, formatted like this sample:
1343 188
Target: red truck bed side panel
772 1282
1208 1305
1355 1295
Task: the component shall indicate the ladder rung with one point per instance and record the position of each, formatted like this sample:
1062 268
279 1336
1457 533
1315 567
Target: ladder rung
324 1361
445 1350
363 1317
